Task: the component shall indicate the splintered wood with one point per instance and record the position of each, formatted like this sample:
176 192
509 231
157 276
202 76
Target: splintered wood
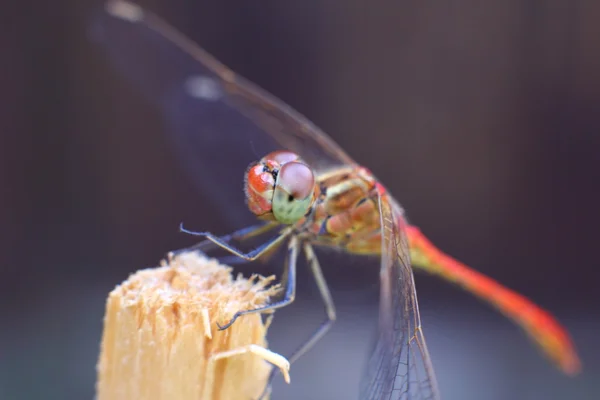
161 341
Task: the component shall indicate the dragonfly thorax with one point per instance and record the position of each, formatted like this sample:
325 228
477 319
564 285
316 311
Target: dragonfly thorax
346 212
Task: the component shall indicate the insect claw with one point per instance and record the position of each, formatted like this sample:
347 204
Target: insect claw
231 321
182 229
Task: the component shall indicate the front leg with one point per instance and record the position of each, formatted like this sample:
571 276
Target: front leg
222 242
239 235
288 280
315 267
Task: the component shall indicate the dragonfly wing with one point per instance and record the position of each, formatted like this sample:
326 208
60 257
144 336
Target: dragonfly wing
218 121
400 367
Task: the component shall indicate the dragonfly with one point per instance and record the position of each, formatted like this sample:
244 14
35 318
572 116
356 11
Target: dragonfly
305 191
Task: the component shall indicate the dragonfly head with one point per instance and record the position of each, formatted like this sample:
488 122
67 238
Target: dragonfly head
280 187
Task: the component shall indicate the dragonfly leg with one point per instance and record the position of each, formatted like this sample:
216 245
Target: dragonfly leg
251 255
239 235
289 283
315 267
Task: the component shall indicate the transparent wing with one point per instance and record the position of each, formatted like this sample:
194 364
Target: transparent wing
218 121
400 367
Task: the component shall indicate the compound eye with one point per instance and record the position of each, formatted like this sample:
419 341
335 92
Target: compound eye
281 157
259 186
293 192
297 179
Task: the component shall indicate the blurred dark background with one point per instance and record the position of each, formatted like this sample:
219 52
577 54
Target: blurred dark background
483 120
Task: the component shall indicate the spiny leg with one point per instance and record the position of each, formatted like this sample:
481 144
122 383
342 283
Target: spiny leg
239 235
288 279
249 256
315 267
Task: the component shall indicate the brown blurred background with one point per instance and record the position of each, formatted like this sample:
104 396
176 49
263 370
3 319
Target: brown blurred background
483 120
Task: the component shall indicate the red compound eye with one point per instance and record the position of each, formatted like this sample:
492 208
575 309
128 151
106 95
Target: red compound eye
259 189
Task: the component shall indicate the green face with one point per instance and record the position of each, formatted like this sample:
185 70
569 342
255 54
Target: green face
293 195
